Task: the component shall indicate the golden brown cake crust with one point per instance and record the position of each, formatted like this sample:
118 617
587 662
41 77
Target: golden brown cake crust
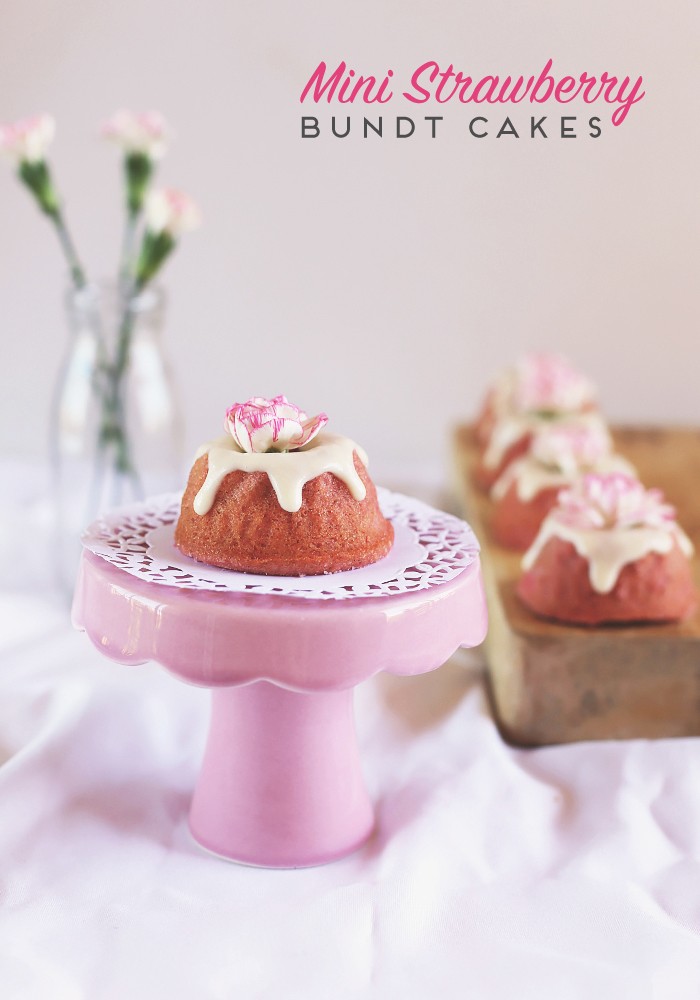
247 530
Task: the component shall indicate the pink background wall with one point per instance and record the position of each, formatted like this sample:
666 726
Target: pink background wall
381 280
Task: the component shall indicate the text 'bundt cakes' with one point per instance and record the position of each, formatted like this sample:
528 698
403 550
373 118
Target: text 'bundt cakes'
610 551
274 496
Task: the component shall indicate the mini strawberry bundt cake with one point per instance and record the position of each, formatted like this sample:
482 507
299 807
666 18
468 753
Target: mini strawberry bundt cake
542 389
528 489
273 496
610 551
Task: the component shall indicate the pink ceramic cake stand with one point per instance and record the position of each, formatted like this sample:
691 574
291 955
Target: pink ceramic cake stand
280 784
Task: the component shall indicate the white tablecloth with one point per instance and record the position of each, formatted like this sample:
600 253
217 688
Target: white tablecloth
567 872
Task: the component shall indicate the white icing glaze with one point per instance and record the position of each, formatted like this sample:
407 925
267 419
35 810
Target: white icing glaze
514 426
288 472
532 477
609 550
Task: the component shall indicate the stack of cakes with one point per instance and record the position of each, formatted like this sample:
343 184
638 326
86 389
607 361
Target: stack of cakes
600 547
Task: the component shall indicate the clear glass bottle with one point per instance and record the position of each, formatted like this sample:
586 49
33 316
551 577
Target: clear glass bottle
116 428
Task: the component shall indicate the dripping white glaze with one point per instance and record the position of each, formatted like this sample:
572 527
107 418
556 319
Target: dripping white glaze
532 477
288 472
609 550
512 428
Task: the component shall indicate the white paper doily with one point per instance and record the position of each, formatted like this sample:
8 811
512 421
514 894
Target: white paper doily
430 548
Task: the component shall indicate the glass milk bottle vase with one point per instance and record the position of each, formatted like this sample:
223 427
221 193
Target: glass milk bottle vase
116 429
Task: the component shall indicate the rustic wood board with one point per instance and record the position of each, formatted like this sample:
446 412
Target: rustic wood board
555 683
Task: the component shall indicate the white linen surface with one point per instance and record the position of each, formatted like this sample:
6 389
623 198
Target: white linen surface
565 872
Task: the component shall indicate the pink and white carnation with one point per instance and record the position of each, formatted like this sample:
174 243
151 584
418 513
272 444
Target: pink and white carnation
261 425
612 501
143 132
571 448
27 141
548 383
170 211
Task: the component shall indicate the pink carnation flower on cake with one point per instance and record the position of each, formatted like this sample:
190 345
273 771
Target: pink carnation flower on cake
528 489
610 551
263 425
570 448
540 390
614 501
539 382
548 383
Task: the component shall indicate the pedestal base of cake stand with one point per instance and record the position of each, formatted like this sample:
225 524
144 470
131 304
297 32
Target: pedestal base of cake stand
281 784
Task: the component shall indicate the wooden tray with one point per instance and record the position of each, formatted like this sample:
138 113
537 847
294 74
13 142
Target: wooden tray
557 683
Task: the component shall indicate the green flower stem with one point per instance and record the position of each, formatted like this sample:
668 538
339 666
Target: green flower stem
138 172
126 330
74 266
129 238
113 431
36 176
156 247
